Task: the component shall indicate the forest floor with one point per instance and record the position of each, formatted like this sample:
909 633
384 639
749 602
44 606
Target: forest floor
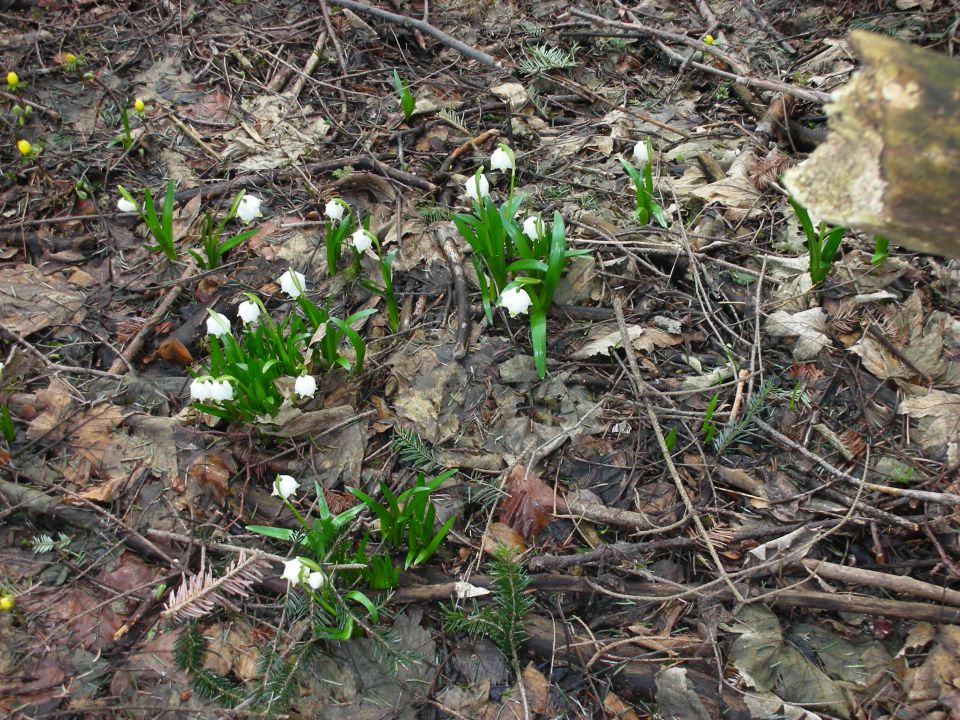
730 495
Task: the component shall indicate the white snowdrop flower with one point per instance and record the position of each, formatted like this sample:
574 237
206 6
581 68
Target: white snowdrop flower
249 208
285 486
292 283
362 240
531 227
124 205
221 390
316 580
218 324
291 570
334 209
305 386
502 160
640 154
200 389
471 187
249 312
515 300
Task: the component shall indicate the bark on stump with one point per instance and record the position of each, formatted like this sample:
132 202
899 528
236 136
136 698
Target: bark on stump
891 163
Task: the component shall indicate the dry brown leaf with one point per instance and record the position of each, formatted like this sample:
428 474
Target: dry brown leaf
174 352
618 709
502 535
31 301
213 470
56 404
529 502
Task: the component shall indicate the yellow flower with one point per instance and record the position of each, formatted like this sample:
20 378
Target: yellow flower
12 80
7 602
24 147
708 39
70 58
139 105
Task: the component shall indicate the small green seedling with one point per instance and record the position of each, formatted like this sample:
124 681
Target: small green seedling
646 207
213 248
822 244
881 251
386 290
407 101
408 518
161 226
709 427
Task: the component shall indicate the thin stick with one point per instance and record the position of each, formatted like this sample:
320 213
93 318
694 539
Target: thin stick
461 47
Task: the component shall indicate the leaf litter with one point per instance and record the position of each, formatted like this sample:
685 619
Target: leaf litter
642 535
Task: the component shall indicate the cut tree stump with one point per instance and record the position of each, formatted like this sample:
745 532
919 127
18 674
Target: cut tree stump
891 163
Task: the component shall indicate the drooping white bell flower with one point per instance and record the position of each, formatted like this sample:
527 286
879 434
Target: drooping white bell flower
531 227
640 153
249 312
249 208
200 389
502 159
218 324
316 580
515 300
477 187
124 205
285 486
292 283
362 240
334 209
305 386
291 570
221 390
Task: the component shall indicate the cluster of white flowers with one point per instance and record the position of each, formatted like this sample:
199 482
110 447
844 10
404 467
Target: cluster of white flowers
204 389
296 571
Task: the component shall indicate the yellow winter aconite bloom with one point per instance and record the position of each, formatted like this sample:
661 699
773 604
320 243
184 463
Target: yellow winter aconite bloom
7 602
708 39
12 80
24 147
139 105
70 58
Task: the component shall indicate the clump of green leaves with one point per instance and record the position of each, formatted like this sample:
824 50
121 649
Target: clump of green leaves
210 232
267 351
407 519
502 621
160 226
822 244
407 101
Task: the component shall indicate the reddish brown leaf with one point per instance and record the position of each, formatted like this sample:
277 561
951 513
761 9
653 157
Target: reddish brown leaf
529 502
174 352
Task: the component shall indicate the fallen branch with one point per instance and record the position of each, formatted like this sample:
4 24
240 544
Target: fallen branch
461 47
